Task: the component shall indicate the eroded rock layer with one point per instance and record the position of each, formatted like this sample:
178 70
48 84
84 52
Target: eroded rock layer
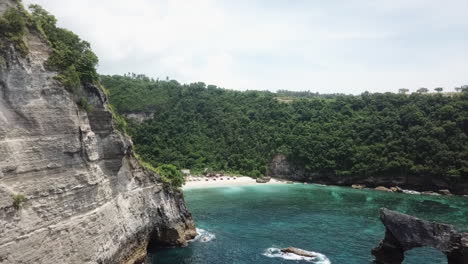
87 199
404 232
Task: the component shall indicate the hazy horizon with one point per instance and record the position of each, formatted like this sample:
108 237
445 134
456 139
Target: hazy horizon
326 47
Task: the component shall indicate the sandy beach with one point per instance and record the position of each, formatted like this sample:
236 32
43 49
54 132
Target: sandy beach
206 182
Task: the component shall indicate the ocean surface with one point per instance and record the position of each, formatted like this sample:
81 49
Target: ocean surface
248 224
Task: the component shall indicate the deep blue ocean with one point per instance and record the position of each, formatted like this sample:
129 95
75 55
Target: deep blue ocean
247 224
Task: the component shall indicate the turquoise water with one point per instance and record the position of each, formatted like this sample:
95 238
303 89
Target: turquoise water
240 223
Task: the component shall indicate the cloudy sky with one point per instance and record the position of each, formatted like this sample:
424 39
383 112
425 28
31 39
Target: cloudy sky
329 46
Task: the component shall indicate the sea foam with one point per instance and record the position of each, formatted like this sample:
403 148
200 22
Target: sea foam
277 253
203 236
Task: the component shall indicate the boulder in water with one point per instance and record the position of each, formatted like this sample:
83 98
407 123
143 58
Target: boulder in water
299 252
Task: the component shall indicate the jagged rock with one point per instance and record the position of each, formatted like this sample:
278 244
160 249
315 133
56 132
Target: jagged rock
299 252
87 198
263 179
382 188
358 186
404 232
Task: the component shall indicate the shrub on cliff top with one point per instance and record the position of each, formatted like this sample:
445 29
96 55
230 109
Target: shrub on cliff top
170 174
13 28
68 50
71 56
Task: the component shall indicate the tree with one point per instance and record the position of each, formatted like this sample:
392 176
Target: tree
439 89
461 88
422 90
403 90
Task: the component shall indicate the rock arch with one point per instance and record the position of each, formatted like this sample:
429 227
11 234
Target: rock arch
404 232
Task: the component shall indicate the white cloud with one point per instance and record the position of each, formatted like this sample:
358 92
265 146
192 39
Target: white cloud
327 47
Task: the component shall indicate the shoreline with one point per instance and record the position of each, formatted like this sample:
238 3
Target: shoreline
227 181
209 182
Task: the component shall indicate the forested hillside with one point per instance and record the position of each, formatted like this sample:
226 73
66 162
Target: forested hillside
197 126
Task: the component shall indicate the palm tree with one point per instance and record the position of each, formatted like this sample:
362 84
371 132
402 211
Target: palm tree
403 90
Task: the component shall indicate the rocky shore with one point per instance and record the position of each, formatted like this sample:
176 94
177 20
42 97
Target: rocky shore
396 189
281 168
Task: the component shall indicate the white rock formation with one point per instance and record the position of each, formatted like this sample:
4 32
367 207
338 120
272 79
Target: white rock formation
87 198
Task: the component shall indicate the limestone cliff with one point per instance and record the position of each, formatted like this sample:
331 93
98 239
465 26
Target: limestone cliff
87 198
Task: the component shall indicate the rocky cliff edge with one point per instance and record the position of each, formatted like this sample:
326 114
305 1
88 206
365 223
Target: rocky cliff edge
71 190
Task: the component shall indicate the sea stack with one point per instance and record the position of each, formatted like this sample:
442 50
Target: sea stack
404 232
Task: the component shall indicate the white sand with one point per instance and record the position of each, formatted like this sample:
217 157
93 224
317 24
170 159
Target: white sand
239 181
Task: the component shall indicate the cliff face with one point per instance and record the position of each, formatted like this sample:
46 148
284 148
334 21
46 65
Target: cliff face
87 198
281 167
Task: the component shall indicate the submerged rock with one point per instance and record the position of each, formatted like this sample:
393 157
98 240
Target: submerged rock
404 232
299 252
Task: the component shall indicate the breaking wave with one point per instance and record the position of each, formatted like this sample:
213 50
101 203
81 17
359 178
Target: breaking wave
203 236
276 253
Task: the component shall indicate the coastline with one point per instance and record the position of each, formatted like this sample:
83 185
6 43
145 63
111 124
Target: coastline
209 182
206 182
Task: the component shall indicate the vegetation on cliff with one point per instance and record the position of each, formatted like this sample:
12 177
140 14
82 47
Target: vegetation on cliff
75 61
71 56
169 173
197 126
12 29
18 201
